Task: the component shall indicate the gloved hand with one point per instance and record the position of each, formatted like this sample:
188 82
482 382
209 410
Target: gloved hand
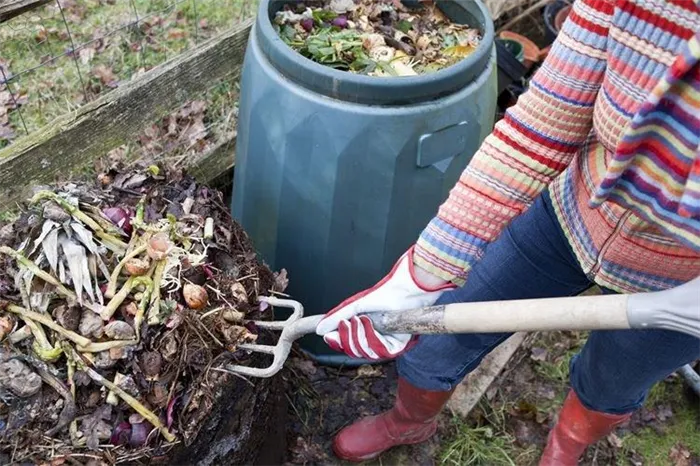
343 330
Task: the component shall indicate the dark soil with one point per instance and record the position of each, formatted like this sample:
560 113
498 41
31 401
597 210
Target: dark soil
323 400
521 405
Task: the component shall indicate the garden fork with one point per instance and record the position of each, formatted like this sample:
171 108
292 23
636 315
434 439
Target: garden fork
661 309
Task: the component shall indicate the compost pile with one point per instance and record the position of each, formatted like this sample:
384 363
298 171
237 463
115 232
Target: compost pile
121 303
375 37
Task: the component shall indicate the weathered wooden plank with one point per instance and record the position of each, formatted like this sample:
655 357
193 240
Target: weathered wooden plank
472 388
74 140
215 168
11 8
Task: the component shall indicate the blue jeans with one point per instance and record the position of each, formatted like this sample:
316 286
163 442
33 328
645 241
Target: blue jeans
532 259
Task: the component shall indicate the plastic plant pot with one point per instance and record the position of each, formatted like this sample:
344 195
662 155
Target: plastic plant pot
514 47
561 17
531 52
550 19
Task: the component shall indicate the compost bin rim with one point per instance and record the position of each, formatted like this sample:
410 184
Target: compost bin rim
374 90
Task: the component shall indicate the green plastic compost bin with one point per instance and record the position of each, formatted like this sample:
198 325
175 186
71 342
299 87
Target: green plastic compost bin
337 173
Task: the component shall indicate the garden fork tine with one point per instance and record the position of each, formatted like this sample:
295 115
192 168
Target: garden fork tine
293 328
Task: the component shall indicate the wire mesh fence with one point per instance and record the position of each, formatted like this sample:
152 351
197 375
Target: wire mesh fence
67 53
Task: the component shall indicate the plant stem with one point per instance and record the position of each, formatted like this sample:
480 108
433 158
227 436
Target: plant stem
73 430
138 318
37 332
98 347
111 396
112 285
21 334
111 241
111 307
116 301
28 316
209 228
130 400
155 294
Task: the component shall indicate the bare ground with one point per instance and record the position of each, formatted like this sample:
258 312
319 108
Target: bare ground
508 426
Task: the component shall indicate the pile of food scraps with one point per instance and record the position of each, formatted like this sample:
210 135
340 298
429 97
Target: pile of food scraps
121 304
375 37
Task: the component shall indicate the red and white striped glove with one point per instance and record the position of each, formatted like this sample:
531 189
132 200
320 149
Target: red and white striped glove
343 330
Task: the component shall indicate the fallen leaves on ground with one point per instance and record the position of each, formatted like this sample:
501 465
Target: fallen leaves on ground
305 452
106 75
367 370
306 367
9 101
539 354
679 455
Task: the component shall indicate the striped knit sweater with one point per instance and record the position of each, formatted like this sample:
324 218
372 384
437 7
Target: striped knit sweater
610 125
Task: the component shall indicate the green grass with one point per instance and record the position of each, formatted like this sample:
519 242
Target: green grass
166 28
683 427
478 446
488 444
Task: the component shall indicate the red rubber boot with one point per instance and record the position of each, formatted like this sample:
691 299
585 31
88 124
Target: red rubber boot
411 420
577 428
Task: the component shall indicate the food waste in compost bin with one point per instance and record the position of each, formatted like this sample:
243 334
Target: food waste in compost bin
121 303
375 37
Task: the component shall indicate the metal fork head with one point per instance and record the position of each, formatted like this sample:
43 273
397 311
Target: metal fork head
280 351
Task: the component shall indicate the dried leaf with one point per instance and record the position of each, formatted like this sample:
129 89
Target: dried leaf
151 363
92 265
539 354
679 455
239 292
614 440
526 409
369 371
76 259
50 247
95 428
67 316
129 180
306 367
86 55
281 281
342 6
176 33
53 211
105 75
47 227
19 379
91 324
308 452
664 412
62 273
119 330
525 432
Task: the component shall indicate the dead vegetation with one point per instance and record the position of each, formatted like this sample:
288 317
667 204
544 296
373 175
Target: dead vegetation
121 303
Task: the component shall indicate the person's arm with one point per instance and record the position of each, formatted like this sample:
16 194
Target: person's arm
535 141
